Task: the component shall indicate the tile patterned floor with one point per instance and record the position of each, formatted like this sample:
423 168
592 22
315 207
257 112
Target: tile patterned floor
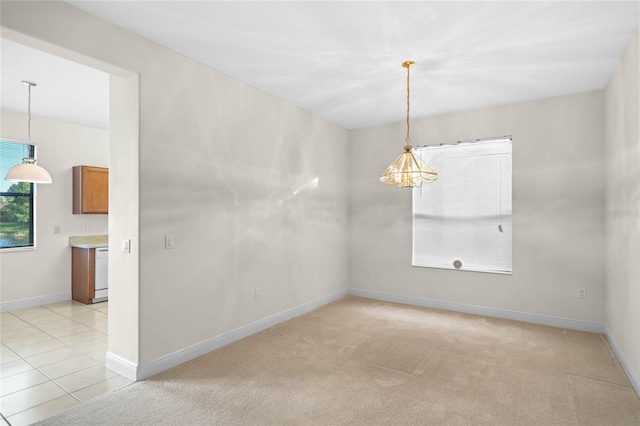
51 358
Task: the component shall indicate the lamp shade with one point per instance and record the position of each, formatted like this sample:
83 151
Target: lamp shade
408 171
28 171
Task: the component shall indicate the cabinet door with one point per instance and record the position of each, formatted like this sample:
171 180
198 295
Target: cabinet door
95 190
90 190
82 274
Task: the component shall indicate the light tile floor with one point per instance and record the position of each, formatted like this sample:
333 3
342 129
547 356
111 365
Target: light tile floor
51 358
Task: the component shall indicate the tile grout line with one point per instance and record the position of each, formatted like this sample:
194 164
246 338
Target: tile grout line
50 379
68 393
52 350
58 313
53 337
60 386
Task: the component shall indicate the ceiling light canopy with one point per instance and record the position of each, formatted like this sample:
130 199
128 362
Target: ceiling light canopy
28 171
408 170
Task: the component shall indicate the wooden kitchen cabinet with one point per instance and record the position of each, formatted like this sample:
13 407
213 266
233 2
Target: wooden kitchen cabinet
82 274
90 190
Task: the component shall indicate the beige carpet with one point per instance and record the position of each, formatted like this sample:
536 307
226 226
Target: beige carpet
364 362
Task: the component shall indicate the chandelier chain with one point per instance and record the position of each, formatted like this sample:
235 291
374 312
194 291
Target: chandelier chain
408 109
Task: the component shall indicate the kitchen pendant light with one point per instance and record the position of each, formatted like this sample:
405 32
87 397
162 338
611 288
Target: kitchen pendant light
28 171
408 170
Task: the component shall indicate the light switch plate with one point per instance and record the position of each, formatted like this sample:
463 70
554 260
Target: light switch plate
168 241
126 246
582 293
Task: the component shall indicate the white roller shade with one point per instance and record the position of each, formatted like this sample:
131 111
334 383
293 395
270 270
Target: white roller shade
466 214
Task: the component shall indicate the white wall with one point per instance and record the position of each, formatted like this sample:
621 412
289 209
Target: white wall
124 210
225 168
228 171
46 271
623 204
558 203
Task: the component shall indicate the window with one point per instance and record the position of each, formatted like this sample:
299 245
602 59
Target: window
463 220
16 199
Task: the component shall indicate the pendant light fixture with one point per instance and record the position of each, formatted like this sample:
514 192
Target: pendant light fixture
28 171
408 170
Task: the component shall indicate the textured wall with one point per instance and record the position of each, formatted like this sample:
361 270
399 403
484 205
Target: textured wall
558 203
623 206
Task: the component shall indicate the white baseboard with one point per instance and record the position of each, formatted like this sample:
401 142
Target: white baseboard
568 323
34 301
166 362
626 366
121 366
143 371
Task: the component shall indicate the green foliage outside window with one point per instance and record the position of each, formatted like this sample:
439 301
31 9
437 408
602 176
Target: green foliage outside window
16 209
16 200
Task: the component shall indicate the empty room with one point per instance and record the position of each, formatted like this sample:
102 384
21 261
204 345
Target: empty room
322 213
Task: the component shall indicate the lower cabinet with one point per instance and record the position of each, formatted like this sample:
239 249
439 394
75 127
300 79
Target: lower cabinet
83 272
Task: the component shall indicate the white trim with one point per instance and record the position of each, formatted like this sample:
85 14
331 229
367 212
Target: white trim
121 366
626 366
143 371
34 301
171 360
568 323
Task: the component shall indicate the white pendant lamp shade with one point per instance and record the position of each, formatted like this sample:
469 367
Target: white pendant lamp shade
28 171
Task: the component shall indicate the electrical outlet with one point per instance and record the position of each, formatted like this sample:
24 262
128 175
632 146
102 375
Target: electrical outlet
56 229
582 293
169 241
126 246
370 270
257 293
85 228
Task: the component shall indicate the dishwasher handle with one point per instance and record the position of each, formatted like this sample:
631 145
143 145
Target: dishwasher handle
102 252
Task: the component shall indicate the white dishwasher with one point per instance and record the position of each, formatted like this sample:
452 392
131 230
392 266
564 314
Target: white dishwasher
102 275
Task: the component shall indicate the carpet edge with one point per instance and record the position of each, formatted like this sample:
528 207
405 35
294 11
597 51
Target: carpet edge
622 359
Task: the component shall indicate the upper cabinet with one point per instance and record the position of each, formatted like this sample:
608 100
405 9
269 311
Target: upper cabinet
90 190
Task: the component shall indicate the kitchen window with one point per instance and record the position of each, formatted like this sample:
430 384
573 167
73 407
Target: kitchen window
463 220
17 203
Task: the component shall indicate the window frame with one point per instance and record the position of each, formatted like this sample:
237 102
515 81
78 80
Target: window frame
32 151
436 262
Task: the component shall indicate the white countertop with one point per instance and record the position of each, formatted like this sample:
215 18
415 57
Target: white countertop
89 241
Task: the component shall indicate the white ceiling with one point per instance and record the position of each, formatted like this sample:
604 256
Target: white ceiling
341 60
65 91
